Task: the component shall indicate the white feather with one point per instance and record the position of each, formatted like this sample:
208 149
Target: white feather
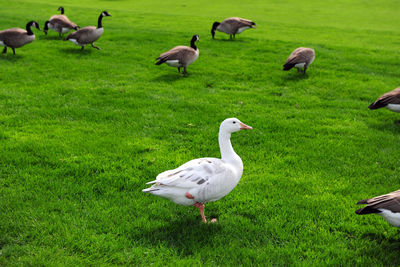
173 63
392 217
2 44
241 29
206 179
393 107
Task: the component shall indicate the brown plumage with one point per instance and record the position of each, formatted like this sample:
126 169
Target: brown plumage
388 206
89 34
392 97
180 56
301 57
60 24
232 26
17 37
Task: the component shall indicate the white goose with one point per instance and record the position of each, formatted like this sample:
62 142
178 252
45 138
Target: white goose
206 179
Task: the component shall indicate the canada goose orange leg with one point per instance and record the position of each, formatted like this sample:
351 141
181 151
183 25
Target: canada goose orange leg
5 50
98 48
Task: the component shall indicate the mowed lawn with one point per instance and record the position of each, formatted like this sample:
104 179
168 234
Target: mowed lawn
81 132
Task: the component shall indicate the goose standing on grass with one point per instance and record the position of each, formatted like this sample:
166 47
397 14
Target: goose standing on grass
61 15
88 34
300 58
389 100
17 37
59 23
206 179
232 26
388 206
180 56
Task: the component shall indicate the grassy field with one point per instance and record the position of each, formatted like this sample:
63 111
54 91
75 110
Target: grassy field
81 132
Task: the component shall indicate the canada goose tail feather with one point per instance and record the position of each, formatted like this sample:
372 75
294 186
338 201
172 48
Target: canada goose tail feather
367 210
376 105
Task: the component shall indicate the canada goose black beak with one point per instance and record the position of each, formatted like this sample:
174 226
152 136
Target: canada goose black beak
245 127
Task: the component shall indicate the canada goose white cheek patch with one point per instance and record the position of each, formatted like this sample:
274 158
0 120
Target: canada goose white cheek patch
173 63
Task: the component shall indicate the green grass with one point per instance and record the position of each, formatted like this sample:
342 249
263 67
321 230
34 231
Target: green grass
82 132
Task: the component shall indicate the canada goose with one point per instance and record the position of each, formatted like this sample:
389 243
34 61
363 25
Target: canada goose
61 15
180 56
17 37
390 100
232 26
88 34
302 57
59 23
388 206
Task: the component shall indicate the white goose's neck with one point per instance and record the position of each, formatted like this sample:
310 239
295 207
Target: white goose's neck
227 152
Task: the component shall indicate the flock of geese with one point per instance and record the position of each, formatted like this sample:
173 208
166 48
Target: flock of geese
204 180
17 37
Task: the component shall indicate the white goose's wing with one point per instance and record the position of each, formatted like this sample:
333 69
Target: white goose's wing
193 173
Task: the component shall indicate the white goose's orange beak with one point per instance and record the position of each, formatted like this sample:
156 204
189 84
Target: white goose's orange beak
245 127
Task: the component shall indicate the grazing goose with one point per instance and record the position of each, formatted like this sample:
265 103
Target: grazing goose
88 34
300 58
390 100
206 179
59 23
180 56
17 37
232 26
388 206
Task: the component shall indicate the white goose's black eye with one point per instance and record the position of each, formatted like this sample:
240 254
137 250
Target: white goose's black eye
234 122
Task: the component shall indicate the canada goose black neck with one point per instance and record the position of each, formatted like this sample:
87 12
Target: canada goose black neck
28 27
102 14
99 25
46 27
214 27
192 42
61 9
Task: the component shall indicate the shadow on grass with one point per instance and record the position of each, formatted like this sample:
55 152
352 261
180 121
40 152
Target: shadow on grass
295 76
389 125
385 244
170 77
10 57
228 40
50 37
76 51
184 235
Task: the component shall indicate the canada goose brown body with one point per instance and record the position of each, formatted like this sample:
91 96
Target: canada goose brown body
388 206
17 37
89 34
300 58
180 56
59 23
389 100
232 26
